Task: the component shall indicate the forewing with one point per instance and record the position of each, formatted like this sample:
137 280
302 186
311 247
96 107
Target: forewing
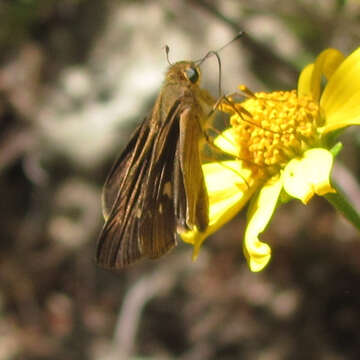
197 202
138 196
158 223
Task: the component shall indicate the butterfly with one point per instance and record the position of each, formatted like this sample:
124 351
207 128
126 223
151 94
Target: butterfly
156 187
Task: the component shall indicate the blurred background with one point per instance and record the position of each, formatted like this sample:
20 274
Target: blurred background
76 76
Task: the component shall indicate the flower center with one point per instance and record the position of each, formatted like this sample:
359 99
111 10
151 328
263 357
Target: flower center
272 128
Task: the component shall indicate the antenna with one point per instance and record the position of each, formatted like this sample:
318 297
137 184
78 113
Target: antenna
216 53
238 36
167 50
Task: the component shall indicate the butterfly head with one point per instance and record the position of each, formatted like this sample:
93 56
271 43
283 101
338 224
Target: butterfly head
185 72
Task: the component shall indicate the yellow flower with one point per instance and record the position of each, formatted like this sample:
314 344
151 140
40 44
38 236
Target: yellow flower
281 144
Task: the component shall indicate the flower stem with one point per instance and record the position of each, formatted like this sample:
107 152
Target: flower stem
339 201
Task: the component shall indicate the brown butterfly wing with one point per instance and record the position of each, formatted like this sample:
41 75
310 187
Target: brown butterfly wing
158 222
196 197
122 198
140 218
176 196
121 167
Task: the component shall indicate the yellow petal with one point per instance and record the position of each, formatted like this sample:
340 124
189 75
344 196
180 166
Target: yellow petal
348 114
226 141
310 78
260 212
310 175
343 84
229 187
329 60
305 81
340 99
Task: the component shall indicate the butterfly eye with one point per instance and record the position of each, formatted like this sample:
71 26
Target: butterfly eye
192 74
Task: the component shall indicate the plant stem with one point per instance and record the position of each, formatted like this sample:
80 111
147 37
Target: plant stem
340 202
